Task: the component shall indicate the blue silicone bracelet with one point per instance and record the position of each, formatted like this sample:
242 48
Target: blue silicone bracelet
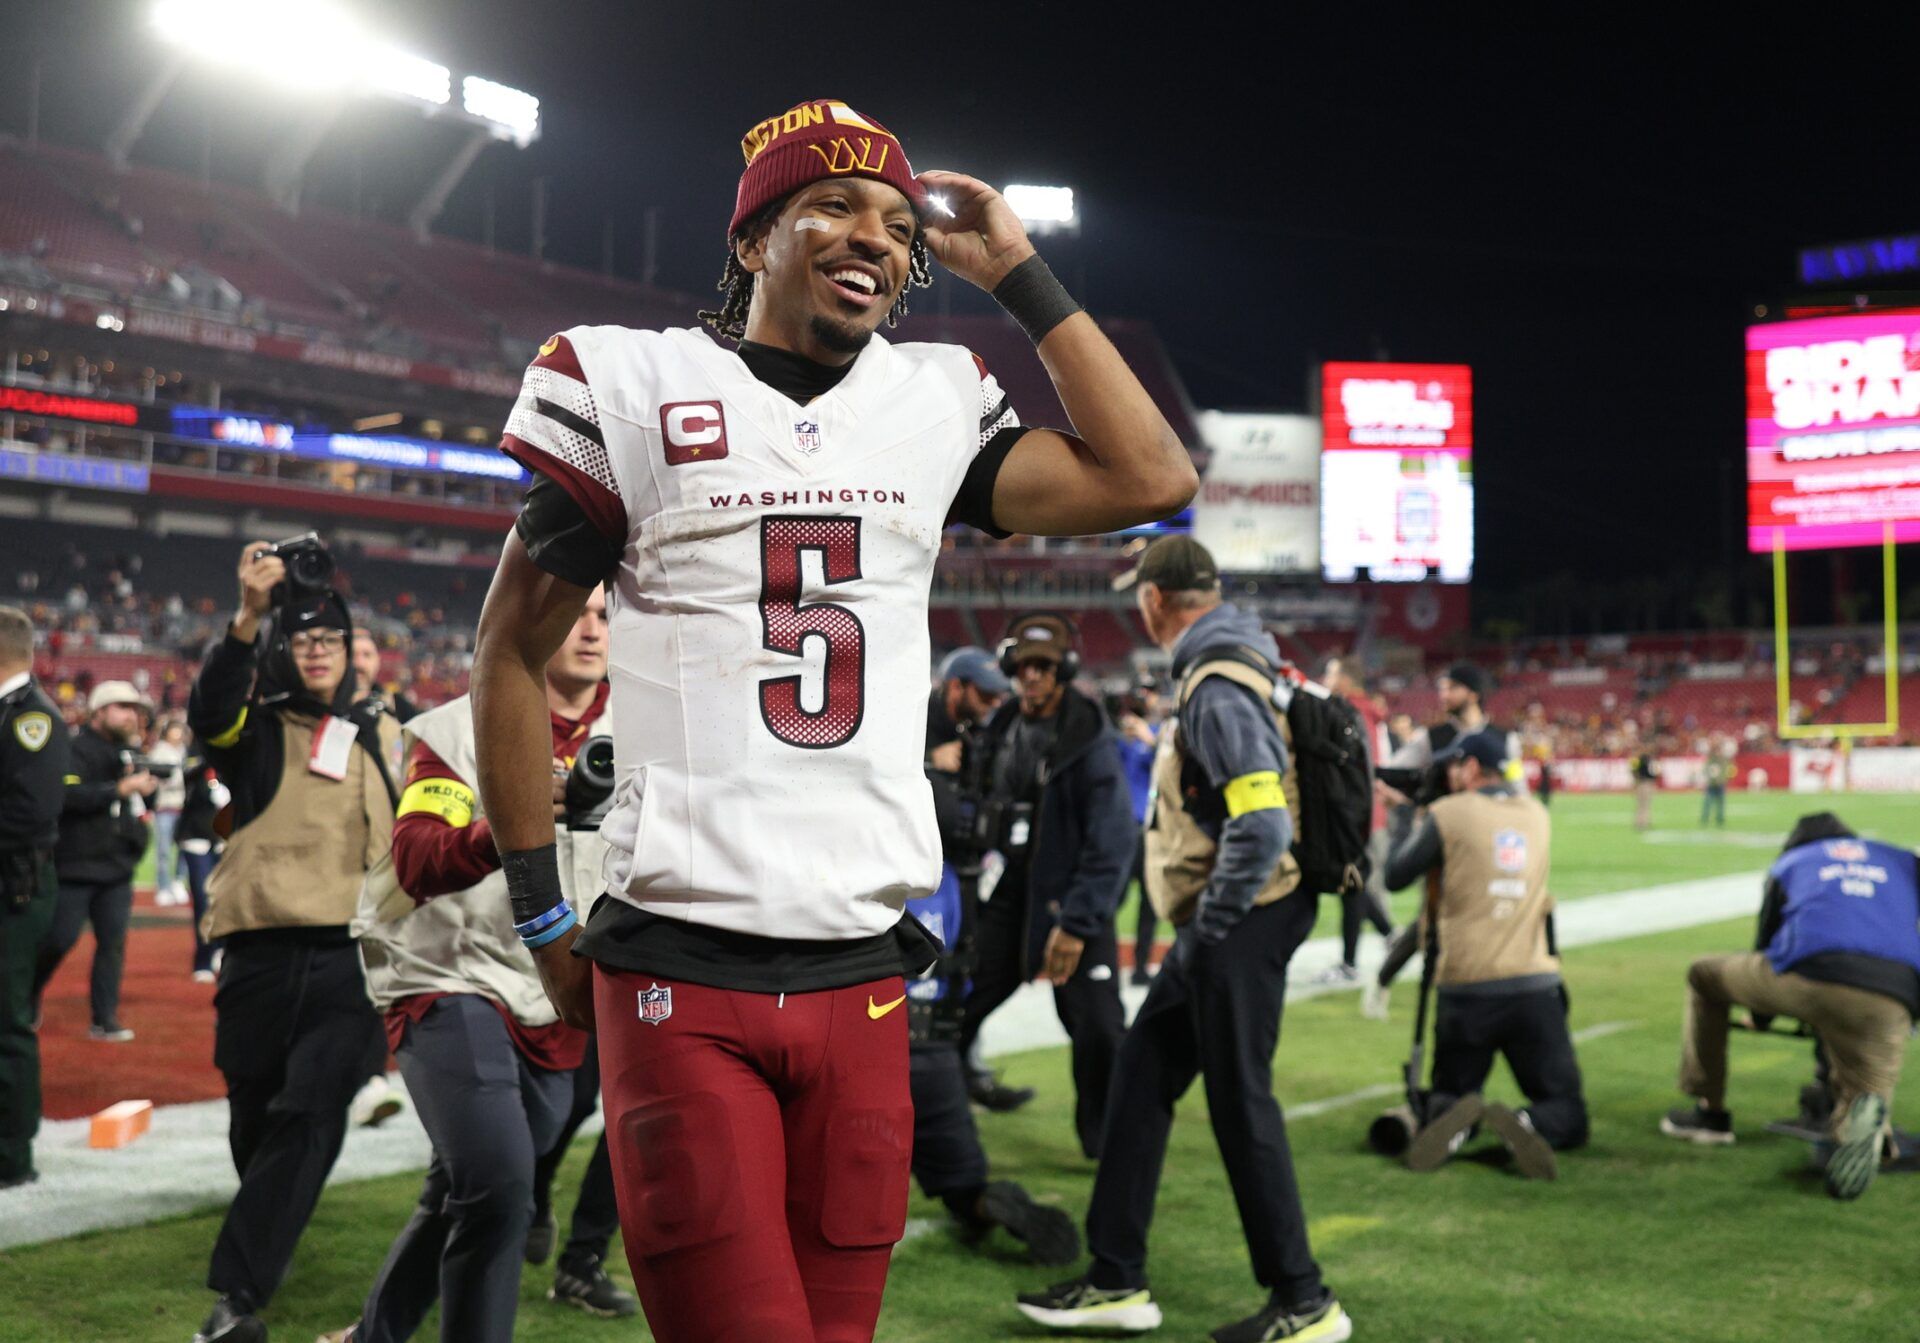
552 933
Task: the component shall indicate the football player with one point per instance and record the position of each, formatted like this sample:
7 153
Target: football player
767 518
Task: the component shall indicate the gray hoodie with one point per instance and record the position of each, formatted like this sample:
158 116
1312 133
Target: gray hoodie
1229 733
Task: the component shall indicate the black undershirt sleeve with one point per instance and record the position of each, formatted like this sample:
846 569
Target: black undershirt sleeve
560 539
974 504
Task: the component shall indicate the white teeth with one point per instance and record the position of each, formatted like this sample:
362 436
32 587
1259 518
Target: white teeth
857 279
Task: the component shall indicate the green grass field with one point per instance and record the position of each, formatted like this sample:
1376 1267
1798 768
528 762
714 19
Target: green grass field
1642 1238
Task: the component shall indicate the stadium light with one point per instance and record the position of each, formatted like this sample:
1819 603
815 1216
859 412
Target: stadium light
299 42
407 76
1043 209
513 111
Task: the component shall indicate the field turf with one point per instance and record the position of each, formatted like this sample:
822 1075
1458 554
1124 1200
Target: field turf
1642 1238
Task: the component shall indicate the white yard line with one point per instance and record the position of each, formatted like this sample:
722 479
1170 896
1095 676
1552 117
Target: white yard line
182 1164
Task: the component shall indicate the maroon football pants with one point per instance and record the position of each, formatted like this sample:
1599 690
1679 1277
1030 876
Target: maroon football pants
760 1151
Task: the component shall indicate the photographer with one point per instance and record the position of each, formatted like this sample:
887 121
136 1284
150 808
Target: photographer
488 1063
312 813
1839 949
33 762
1487 848
1056 808
103 834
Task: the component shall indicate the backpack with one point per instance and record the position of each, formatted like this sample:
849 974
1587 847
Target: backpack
1335 778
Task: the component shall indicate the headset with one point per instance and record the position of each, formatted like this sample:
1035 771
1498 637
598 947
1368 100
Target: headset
1069 656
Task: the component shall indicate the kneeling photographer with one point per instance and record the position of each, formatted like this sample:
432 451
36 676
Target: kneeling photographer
1486 850
312 812
489 1065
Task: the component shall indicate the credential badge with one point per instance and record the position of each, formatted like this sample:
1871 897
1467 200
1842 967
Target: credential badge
656 1004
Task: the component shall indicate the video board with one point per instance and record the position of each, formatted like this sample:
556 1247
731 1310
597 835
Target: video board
1396 472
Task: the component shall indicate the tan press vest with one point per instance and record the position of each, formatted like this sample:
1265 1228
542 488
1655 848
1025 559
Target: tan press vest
464 942
1179 853
1495 854
300 863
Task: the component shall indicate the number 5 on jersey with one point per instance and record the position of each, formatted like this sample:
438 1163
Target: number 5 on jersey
786 624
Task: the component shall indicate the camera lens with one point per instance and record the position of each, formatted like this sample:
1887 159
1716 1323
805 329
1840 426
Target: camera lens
310 567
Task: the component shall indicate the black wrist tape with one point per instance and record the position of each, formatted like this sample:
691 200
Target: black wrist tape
1033 298
533 881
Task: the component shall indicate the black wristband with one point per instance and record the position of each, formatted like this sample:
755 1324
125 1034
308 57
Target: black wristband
533 881
1033 298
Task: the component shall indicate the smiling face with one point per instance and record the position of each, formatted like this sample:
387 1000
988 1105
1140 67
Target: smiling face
321 657
830 267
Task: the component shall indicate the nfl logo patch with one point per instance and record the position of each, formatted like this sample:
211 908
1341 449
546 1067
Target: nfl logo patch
1510 851
656 1004
806 436
1847 851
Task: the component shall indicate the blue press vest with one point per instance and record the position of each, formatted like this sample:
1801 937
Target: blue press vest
1848 895
940 915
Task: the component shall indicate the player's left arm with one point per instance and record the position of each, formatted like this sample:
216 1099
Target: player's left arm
1123 465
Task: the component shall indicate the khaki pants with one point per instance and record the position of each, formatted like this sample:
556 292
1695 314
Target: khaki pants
1865 1034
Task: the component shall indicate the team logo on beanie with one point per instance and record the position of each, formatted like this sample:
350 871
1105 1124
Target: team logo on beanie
818 139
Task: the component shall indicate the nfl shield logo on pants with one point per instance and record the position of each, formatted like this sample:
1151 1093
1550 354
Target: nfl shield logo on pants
656 1004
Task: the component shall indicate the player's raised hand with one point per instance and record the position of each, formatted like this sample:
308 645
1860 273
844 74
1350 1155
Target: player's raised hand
983 238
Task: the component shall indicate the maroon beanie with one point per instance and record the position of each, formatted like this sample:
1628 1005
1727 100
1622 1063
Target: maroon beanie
818 139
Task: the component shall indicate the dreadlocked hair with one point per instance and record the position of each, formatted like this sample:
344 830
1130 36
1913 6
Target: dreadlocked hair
729 320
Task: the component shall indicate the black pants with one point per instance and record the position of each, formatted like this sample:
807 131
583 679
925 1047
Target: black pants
947 1159
21 933
199 868
1216 1014
1530 1030
1357 909
1147 925
293 1032
108 906
489 1113
1088 1004
595 1215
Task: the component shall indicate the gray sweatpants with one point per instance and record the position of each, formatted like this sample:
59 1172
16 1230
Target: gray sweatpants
489 1114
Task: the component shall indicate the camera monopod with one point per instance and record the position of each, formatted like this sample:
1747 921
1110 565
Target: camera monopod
1392 1133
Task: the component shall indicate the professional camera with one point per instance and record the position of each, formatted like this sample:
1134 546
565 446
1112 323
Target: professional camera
590 785
1423 787
309 567
146 764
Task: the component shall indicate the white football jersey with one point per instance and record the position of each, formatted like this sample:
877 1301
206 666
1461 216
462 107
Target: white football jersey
769 626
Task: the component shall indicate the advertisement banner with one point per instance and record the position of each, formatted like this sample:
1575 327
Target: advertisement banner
1833 431
1396 472
1884 769
1817 769
1258 509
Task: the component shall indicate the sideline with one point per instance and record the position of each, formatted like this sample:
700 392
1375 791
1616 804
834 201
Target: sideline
183 1166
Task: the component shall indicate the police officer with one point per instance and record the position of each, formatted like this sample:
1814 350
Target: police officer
1056 800
104 831
1218 868
1486 848
33 763
1839 948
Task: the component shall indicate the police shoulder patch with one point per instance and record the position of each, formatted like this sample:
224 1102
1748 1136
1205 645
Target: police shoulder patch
33 730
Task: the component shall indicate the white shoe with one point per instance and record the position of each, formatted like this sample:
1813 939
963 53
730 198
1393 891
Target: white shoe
205 977
374 1104
1374 999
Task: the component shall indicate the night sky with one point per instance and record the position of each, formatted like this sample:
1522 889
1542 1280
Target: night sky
1586 215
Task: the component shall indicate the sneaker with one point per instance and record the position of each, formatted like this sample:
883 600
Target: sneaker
587 1286
1532 1156
16 1181
1855 1161
988 1093
1080 1305
205 977
374 1104
1324 1322
1692 1123
1140 979
112 1033
339 1335
231 1321
1049 1234
540 1237
1440 1138
1337 974
1374 999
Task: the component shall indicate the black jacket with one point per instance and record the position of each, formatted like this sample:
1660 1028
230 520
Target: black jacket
34 750
239 731
102 835
1081 849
